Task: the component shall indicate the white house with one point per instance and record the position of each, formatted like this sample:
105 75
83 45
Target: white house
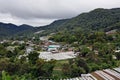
117 51
29 49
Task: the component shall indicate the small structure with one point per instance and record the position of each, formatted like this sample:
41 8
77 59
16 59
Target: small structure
44 38
10 48
117 51
53 48
111 32
18 42
4 41
29 49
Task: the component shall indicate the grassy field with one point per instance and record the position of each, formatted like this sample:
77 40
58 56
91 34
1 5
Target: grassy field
57 72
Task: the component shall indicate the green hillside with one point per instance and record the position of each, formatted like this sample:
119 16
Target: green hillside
98 19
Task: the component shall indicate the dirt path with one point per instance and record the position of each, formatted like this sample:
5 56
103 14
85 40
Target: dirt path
58 69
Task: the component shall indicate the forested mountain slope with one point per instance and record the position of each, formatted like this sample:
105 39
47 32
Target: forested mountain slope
11 29
96 20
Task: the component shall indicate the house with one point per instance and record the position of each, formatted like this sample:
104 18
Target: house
117 51
29 49
10 48
53 48
18 42
4 41
30 43
44 38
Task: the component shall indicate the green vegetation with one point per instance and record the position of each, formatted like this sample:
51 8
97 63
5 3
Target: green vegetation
11 30
95 51
13 67
98 19
57 71
95 37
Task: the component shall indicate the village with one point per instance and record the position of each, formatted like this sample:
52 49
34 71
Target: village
48 49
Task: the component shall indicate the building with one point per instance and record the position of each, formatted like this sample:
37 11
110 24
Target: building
10 48
29 49
117 51
53 48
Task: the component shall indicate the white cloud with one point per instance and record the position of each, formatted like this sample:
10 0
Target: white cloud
41 12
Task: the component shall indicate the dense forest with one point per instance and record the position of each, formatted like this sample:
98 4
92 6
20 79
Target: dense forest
96 20
12 30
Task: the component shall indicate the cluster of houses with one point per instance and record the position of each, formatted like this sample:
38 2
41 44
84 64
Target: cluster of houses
29 45
44 46
51 46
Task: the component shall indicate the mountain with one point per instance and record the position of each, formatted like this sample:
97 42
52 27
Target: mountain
98 19
54 24
95 20
14 30
11 29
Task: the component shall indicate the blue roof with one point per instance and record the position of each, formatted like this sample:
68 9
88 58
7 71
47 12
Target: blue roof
54 46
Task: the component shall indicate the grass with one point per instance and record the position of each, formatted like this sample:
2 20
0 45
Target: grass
59 63
57 72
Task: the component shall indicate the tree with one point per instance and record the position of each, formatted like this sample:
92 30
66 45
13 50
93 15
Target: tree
5 76
37 69
118 55
66 68
82 63
76 71
85 51
43 68
47 69
9 54
33 57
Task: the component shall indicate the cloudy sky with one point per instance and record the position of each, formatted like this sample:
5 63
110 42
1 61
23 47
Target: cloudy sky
43 12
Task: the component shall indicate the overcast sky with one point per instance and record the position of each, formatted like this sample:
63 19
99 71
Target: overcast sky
43 12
